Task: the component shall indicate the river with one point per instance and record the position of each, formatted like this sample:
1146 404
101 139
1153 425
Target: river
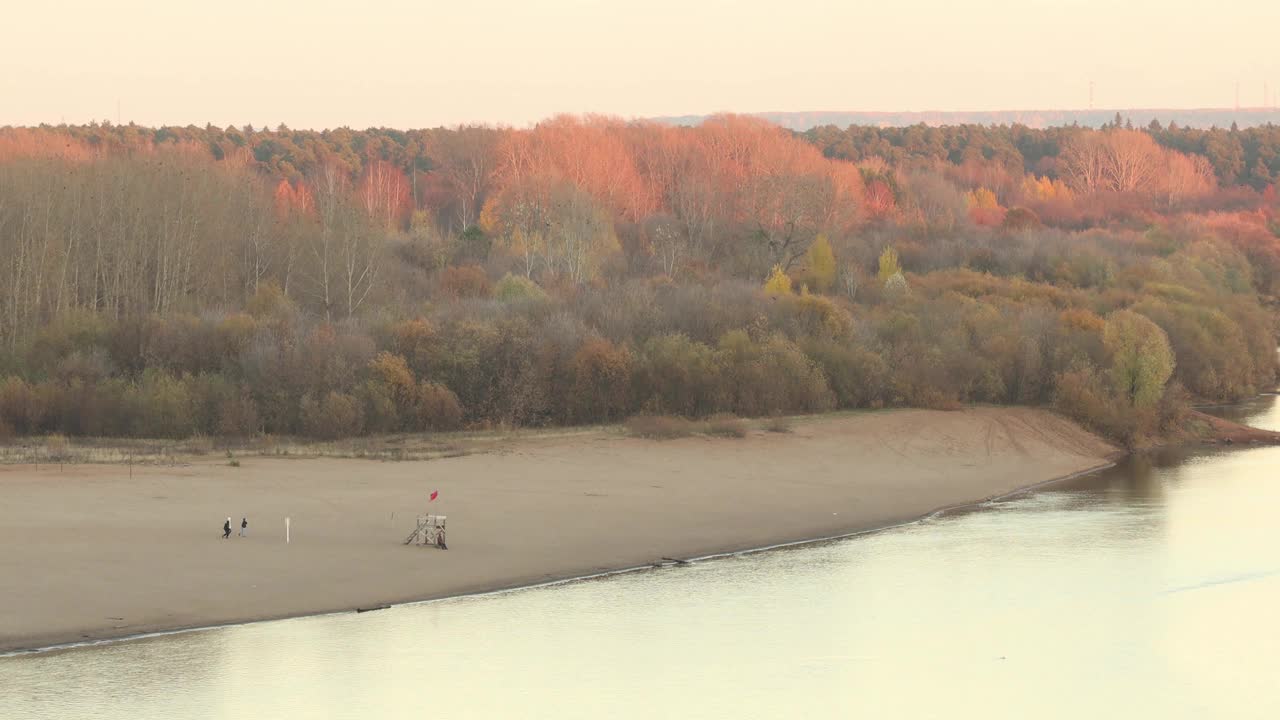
1150 590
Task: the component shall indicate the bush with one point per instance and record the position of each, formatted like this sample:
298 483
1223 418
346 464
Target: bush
770 377
269 300
165 406
438 408
778 424
516 289
679 376
56 447
1083 396
815 316
1020 218
199 445
468 281
334 416
20 406
601 382
859 377
660 427
238 415
724 425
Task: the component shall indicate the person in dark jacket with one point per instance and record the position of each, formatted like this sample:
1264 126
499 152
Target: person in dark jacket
226 529
244 526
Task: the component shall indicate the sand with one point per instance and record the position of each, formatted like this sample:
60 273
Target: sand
86 552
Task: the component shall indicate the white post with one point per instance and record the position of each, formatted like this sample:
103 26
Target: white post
286 531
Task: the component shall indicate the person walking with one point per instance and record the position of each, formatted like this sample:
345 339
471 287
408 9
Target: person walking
226 529
244 527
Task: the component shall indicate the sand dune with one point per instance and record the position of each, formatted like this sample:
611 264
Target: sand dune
87 552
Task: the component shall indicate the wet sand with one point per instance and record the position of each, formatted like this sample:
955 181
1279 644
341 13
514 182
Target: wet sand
86 552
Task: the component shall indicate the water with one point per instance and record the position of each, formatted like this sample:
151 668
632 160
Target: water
1149 590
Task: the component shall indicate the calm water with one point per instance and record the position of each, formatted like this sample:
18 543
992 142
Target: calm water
1148 591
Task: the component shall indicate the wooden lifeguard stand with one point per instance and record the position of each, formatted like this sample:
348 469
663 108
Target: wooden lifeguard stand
430 531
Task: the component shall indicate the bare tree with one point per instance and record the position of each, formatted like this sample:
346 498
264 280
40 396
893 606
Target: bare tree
329 189
1114 160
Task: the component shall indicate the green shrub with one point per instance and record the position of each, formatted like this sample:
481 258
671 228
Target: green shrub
517 288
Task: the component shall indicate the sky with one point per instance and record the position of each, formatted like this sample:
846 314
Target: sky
402 63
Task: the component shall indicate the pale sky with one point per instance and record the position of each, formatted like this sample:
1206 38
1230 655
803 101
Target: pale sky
405 63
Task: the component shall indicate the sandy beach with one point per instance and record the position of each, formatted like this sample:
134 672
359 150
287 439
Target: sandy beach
87 552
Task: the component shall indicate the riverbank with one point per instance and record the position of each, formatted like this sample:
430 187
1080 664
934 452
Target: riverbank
1214 430
99 551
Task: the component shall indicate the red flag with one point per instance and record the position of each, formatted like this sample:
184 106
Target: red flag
434 494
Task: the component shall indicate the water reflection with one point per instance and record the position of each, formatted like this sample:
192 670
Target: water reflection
1145 591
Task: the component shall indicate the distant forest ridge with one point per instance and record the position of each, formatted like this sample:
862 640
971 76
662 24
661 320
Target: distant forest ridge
1140 117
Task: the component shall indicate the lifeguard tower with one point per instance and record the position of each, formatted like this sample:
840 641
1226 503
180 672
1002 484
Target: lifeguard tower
430 531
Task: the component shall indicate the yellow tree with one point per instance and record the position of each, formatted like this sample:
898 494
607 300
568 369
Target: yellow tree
779 283
822 264
888 265
982 199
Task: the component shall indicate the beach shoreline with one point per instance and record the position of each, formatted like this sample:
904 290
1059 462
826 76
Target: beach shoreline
738 496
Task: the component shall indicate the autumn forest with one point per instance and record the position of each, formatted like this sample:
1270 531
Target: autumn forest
243 282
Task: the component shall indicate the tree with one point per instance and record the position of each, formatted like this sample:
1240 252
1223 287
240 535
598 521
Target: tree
778 283
601 381
787 211
821 261
465 159
330 188
670 244
519 217
895 286
1187 176
1020 218
984 209
1116 161
580 235
384 194
888 265
1141 359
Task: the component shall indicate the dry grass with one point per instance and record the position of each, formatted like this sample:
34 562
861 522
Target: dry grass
667 427
197 445
778 424
660 427
59 449
726 426
388 448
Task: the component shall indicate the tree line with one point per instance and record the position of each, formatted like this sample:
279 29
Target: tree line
233 282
